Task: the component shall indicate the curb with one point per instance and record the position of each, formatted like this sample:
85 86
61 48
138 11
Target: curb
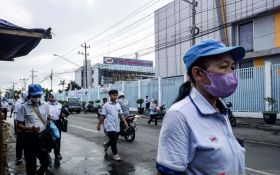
259 126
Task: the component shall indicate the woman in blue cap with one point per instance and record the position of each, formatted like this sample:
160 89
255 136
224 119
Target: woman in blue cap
196 136
32 118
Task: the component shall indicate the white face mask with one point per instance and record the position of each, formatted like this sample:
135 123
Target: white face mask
35 99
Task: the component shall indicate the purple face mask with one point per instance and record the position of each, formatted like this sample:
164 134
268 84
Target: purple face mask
222 85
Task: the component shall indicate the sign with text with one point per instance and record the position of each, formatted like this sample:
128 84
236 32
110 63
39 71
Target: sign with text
126 61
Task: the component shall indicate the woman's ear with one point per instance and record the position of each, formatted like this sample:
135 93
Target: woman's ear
197 74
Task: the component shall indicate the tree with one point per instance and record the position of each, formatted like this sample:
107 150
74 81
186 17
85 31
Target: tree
46 92
62 82
72 85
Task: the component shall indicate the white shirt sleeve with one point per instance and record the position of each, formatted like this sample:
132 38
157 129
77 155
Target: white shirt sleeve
104 110
20 113
120 109
174 143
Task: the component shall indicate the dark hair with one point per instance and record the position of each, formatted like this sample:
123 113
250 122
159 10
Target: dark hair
113 91
186 87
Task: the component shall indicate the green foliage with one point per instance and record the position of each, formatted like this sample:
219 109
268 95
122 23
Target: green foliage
272 103
72 85
140 101
46 92
97 101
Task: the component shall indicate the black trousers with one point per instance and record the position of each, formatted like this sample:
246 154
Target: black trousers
31 152
19 144
113 136
153 116
58 141
5 111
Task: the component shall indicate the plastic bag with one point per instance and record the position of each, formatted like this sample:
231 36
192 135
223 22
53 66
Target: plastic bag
54 131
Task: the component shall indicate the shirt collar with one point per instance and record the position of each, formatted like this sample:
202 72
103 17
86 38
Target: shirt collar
203 105
110 102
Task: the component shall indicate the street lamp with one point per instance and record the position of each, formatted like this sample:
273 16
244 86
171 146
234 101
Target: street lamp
66 60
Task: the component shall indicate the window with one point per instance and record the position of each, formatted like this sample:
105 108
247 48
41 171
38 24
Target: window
246 36
246 63
246 70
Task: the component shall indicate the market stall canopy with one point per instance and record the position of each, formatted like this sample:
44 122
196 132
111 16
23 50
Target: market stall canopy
16 41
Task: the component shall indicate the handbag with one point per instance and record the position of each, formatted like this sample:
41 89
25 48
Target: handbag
63 119
46 140
64 123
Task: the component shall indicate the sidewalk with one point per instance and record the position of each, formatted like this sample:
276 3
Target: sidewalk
249 122
257 123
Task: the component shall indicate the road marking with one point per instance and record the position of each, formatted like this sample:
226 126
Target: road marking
258 171
84 128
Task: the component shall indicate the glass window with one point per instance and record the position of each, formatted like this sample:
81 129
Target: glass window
246 36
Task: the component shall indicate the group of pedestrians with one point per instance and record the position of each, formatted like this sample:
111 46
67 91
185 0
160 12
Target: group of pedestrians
32 115
195 137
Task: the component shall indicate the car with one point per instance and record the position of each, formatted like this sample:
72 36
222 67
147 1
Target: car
74 105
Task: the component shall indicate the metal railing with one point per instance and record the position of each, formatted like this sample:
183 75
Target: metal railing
249 96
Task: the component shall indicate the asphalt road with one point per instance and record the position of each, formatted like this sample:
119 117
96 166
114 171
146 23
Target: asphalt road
262 147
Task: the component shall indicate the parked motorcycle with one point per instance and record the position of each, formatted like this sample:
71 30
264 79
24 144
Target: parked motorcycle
231 117
129 133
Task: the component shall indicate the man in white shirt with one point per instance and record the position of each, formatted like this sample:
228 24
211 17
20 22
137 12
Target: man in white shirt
19 134
55 111
31 120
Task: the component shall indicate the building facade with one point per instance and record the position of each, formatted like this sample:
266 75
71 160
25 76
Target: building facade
255 25
116 69
80 76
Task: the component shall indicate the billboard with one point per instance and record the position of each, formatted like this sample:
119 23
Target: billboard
126 61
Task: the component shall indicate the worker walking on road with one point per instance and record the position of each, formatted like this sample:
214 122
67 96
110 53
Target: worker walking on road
111 115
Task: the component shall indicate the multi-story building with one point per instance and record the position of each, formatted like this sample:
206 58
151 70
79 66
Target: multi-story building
116 69
254 25
80 76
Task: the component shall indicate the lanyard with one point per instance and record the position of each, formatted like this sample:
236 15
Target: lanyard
38 115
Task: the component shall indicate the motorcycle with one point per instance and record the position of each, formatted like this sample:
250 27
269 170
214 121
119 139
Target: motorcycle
161 112
231 117
90 110
129 133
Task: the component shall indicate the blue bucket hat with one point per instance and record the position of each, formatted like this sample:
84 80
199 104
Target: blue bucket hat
211 47
35 89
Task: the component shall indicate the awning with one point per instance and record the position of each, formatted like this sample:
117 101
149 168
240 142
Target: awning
16 41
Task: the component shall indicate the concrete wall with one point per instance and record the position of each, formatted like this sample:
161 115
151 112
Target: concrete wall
78 77
263 33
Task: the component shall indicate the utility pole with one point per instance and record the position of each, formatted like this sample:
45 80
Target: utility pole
33 75
85 67
13 91
51 77
24 82
194 30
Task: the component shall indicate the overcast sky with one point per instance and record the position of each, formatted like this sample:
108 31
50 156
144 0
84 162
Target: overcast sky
74 22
